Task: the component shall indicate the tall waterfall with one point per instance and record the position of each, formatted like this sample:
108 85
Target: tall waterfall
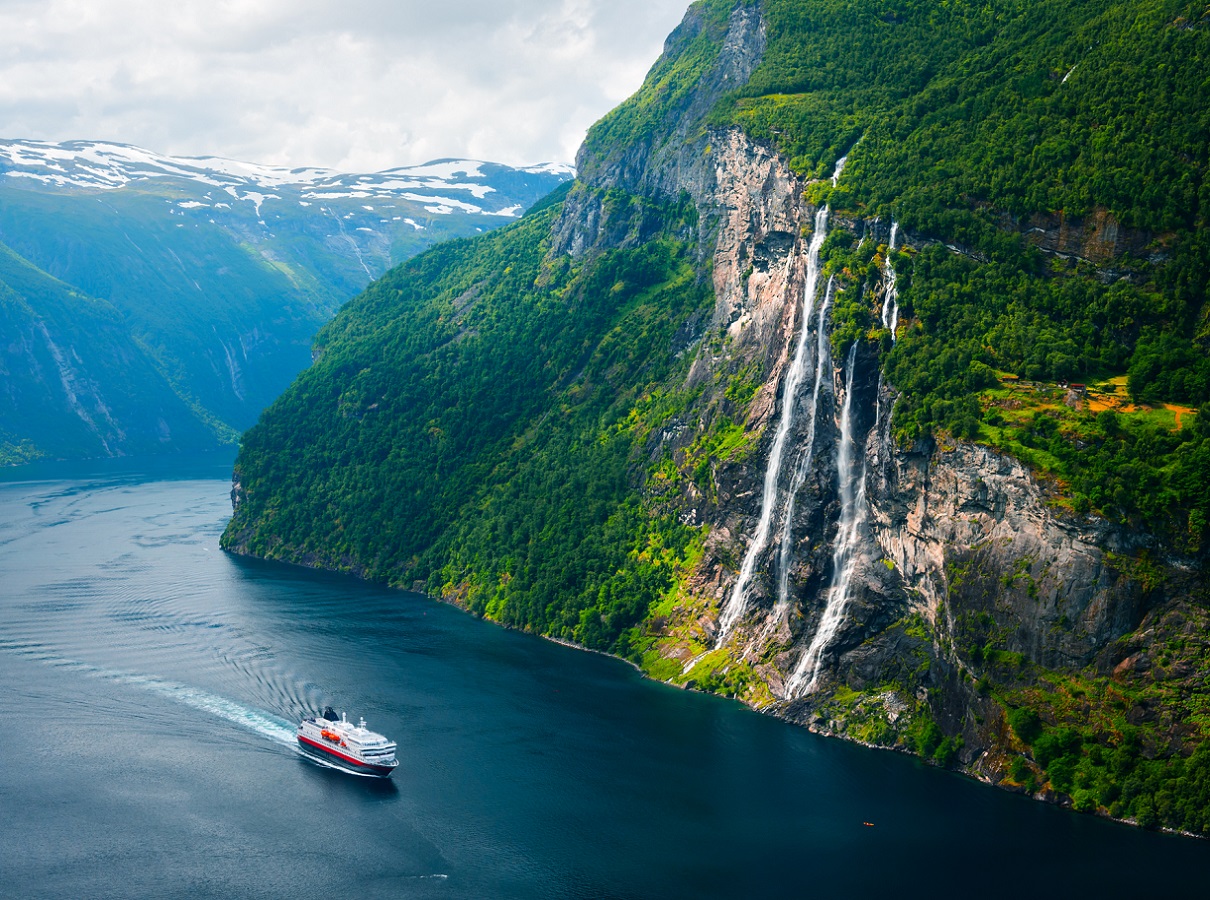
853 514
734 607
823 364
736 603
890 304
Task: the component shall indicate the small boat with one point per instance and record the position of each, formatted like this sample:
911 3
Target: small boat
336 740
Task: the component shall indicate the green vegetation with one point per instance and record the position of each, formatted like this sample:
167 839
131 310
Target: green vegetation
1017 106
1115 766
218 322
490 419
474 421
59 340
970 321
1129 741
1025 724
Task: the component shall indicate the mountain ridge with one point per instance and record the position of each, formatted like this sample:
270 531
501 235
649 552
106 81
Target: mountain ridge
219 271
107 166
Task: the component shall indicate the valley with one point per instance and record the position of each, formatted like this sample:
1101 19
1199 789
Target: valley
211 275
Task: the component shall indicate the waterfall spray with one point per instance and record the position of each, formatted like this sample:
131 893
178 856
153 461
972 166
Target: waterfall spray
890 304
823 363
735 605
853 512
839 168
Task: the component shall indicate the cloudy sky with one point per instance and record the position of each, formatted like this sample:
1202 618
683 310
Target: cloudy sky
359 85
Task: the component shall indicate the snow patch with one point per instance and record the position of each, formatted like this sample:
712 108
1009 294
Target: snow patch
447 204
550 168
443 168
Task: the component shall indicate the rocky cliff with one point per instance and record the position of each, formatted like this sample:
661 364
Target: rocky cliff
714 410
964 570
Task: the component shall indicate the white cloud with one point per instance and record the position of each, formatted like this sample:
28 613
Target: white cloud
358 85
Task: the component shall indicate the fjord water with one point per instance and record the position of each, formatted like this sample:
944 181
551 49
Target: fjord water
151 685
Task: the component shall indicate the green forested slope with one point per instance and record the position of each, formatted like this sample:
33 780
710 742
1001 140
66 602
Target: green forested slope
1062 105
223 325
486 419
466 425
58 346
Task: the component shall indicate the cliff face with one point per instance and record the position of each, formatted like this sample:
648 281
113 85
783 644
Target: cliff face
959 547
881 576
661 416
965 525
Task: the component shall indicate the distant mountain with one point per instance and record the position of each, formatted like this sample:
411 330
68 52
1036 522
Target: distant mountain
216 273
73 377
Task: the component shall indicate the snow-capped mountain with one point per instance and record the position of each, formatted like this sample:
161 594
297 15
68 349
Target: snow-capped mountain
122 266
441 187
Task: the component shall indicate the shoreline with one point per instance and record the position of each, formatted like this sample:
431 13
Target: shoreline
774 710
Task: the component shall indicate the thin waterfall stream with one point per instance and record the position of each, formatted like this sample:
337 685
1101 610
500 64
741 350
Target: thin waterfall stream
853 513
890 303
736 603
823 363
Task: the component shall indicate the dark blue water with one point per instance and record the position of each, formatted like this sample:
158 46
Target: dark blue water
152 684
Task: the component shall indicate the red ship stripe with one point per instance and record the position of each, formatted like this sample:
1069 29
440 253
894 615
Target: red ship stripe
356 762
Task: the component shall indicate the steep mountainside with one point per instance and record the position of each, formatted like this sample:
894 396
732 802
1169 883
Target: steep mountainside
862 375
218 273
58 353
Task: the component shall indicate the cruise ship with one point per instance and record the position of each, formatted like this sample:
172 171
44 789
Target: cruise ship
348 746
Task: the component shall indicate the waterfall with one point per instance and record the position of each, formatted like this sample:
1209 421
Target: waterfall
735 605
890 304
853 512
823 363
839 168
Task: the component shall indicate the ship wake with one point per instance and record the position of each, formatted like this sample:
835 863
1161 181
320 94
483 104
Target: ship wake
266 724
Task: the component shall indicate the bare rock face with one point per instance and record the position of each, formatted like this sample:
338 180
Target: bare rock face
962 537
757 265
934 551
971 533
1097 238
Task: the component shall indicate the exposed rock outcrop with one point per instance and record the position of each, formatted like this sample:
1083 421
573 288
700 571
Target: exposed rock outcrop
970 532
958 537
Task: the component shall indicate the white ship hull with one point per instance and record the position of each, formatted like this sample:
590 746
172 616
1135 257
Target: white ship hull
348 746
